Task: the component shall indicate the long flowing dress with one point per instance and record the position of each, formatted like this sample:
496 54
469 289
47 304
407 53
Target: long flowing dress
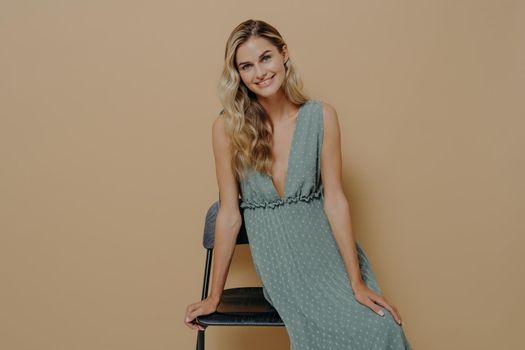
298 260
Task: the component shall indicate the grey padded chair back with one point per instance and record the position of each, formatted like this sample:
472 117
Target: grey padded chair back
208 239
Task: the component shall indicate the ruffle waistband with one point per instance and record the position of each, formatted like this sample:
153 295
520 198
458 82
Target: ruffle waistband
252 205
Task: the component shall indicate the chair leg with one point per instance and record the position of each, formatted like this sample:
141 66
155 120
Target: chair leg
200 340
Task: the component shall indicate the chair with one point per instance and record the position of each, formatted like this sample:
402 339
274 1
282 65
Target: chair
245 306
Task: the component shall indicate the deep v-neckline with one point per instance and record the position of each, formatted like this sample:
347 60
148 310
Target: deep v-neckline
290 154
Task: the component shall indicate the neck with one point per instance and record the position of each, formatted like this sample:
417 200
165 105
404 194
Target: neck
278 107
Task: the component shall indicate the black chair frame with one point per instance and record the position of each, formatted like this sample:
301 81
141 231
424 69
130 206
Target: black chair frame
243 306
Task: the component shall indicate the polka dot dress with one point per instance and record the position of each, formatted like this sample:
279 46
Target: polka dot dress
297 258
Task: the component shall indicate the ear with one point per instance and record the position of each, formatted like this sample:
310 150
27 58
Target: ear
285 53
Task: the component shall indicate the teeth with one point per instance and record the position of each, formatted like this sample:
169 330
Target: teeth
266 82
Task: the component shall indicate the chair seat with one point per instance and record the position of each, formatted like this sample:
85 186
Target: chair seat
244 306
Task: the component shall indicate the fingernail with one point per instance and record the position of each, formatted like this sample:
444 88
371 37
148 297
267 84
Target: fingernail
381 312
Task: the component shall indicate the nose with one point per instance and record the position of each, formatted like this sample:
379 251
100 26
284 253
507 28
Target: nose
259 72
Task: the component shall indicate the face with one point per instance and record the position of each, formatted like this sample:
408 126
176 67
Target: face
261 66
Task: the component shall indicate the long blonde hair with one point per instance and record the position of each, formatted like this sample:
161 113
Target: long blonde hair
251 138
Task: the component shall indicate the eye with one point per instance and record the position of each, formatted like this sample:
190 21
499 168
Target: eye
263 58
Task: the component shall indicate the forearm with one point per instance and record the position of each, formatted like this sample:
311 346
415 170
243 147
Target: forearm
227 228
338 213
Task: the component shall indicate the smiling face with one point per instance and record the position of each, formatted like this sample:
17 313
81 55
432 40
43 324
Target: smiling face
261 66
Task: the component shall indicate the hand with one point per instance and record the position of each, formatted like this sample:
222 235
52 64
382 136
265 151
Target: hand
203 307
368 297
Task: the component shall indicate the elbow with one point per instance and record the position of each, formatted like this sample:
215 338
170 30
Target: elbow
229 221
335 203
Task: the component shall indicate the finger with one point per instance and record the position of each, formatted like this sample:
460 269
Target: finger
374 307
382 301
198 326
189 310
189 319
190 325
397 313
195 313
186 321
189 322
195 325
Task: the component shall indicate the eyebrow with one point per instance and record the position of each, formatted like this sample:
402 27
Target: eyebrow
261 55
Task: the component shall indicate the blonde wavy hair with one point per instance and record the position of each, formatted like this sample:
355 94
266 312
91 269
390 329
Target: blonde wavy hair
246 119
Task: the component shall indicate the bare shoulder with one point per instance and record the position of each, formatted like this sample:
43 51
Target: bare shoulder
328 108
218 125
219 135
330 118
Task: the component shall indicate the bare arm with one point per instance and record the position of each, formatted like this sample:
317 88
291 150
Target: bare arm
335 204
229 219
227 226
338 213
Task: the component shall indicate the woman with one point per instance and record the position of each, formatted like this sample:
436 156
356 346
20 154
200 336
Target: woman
281 152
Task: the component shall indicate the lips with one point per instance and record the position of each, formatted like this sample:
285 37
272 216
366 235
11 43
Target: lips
265 82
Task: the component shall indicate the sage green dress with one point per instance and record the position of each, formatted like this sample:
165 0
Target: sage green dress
297 258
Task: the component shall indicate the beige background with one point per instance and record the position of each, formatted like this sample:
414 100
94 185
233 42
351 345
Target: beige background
107 167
